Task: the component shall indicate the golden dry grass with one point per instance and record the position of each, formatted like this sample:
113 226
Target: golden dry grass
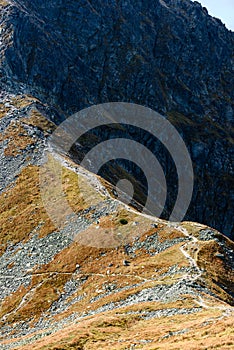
23 200
79 193
22 101
204 330
110 231
3 110
39 296
36 119
4 3
217 271
98 269
17 138
21 209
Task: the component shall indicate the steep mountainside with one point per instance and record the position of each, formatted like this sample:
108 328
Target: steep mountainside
168 55
101 274
108 277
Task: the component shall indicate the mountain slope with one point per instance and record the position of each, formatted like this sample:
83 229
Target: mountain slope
168 55
98 273
110 278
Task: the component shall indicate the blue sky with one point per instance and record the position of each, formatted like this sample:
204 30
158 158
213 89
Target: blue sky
223 9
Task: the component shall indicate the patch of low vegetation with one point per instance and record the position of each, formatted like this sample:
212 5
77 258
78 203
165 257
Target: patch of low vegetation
22 210
79 193
218 272
17 139
37 120
38 297
110 232
12 302
123 221
111 331
22 101
4 3
3 110
167 234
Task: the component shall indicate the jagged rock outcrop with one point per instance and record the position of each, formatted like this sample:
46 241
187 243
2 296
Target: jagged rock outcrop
168 55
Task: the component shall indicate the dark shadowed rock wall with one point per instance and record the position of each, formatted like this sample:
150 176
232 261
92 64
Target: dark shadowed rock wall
168 55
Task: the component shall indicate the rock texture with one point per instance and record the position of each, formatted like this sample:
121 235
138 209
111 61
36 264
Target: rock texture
168 55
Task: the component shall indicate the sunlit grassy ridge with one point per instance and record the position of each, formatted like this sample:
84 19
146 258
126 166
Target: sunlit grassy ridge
21 209
205 330
113 259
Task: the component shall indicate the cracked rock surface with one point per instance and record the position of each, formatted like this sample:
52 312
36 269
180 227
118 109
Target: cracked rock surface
168 55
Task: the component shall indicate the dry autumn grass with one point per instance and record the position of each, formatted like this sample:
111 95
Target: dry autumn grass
22 211
205 330
3 110
50 279
16 135
17 139
4 3
37 120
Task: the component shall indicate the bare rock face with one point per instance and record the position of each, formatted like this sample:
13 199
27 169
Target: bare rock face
168 55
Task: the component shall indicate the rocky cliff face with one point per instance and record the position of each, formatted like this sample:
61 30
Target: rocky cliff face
168 55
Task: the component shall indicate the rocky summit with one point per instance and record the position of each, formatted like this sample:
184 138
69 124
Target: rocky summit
168 55
104 274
